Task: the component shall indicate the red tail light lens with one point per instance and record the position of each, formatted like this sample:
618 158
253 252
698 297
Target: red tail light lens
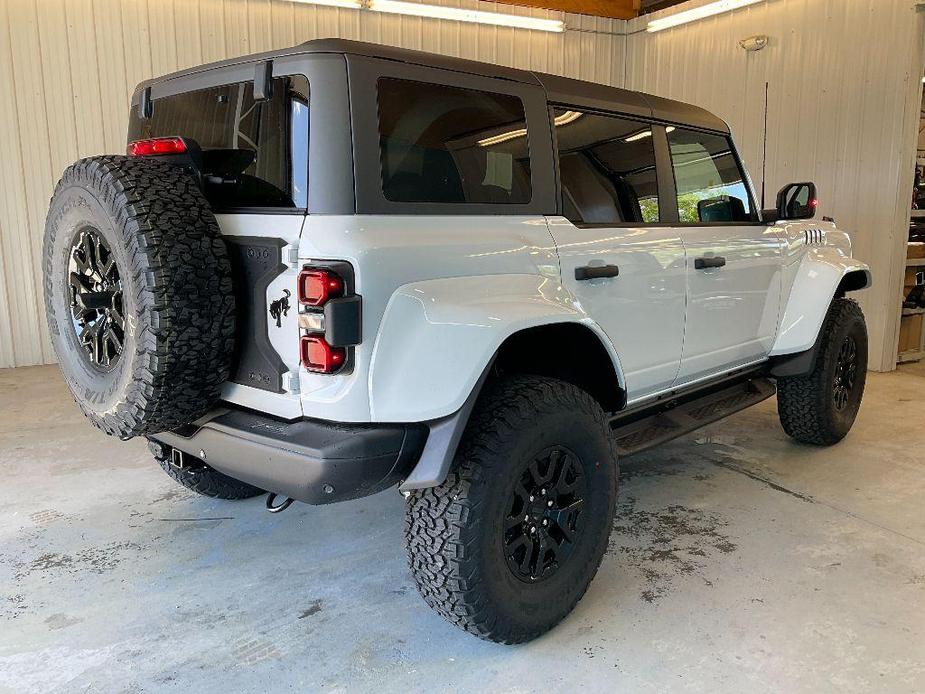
317 286
155 146
319 356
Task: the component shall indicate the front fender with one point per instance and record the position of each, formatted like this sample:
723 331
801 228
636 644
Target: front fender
816 279
437 336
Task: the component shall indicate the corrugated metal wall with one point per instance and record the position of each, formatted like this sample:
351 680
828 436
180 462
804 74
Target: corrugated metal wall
844 86
844 97
67 68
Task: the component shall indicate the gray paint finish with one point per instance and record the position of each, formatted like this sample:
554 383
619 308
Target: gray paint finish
738 562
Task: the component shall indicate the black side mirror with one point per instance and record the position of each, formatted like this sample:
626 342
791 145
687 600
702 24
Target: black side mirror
797 201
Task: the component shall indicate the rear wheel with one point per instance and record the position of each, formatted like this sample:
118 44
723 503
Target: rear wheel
509 543
820 407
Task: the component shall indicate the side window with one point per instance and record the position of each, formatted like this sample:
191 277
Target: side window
710 185
606 168
441 144
254 153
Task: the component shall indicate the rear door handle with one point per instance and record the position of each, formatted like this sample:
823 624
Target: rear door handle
706 263
593 272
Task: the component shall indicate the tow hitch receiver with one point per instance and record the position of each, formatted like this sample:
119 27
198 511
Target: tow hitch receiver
177 459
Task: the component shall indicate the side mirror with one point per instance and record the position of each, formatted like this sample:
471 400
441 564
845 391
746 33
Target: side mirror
797 201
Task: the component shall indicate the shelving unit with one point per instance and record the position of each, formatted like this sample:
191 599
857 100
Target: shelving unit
912 330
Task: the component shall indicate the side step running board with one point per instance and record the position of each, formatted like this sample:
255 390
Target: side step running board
651 427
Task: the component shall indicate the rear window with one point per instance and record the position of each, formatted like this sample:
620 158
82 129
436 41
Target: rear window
441 144
254 153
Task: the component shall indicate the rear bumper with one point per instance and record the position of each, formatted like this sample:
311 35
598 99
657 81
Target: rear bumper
308 460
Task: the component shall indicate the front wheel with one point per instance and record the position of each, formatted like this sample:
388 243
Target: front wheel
508 544
820 407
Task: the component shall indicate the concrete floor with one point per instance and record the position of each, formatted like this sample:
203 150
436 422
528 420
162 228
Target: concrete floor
739 561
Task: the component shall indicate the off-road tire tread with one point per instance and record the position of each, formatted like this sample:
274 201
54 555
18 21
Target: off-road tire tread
444 568
181 268
802 400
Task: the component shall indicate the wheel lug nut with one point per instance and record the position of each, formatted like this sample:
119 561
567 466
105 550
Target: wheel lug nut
549 503
532 529
545 522
543 492
531 498
526 518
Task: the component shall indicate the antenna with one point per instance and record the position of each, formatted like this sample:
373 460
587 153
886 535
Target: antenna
764 152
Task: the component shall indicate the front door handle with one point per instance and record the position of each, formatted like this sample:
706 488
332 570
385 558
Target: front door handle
593 272
707 263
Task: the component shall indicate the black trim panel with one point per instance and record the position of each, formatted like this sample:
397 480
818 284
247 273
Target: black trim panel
308 460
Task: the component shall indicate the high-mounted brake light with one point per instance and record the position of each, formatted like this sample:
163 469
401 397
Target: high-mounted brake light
319 356
317 286
155 146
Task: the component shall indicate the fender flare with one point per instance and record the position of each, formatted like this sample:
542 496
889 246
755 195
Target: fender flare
822 274
463 321
437 336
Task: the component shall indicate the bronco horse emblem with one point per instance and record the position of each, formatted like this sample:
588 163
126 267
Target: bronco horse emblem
280 308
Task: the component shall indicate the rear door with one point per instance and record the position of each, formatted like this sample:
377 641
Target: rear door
618 256
251 149
733 260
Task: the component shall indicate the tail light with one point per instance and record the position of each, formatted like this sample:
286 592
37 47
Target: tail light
319 356
316 287
329 316
155 146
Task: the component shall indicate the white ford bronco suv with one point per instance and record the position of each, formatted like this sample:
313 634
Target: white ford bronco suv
333 269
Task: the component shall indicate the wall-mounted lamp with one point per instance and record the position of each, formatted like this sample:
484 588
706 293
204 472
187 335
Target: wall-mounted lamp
754 43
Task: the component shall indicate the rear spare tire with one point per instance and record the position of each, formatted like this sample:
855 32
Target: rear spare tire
138 294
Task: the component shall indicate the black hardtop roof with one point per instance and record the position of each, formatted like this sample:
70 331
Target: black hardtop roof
561 90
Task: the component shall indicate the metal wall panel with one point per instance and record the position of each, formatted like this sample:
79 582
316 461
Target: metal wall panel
844 86
67 69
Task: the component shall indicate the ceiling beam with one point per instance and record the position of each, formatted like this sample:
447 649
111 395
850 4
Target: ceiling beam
614 9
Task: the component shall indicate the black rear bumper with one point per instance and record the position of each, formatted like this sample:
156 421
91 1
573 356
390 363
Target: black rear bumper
308 460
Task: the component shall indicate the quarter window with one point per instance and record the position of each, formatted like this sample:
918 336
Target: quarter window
254 153
711 187
607 168
441 144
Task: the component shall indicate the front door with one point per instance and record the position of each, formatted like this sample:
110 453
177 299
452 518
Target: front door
733 261
626 269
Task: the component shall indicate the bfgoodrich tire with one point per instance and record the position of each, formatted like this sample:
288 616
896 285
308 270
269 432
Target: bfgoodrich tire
508 544
820 407
138 294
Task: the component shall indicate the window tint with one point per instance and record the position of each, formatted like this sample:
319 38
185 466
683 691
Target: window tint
254 153
450 145
710 185
607 168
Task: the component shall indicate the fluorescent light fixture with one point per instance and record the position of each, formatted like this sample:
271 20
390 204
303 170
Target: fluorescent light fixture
349 4
646 133
460 15
563 119
696 13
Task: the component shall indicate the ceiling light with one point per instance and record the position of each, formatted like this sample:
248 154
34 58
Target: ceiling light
567 117
461 15
350 4
563 119
696 13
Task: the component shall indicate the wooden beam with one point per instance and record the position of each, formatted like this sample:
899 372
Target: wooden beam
614 9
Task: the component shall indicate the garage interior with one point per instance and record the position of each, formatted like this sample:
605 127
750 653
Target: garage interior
738 559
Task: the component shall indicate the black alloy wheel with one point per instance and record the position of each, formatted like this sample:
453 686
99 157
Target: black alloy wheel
544 514
846 371
96 299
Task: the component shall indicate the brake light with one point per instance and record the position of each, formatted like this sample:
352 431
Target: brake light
319 356
317 286
155 146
